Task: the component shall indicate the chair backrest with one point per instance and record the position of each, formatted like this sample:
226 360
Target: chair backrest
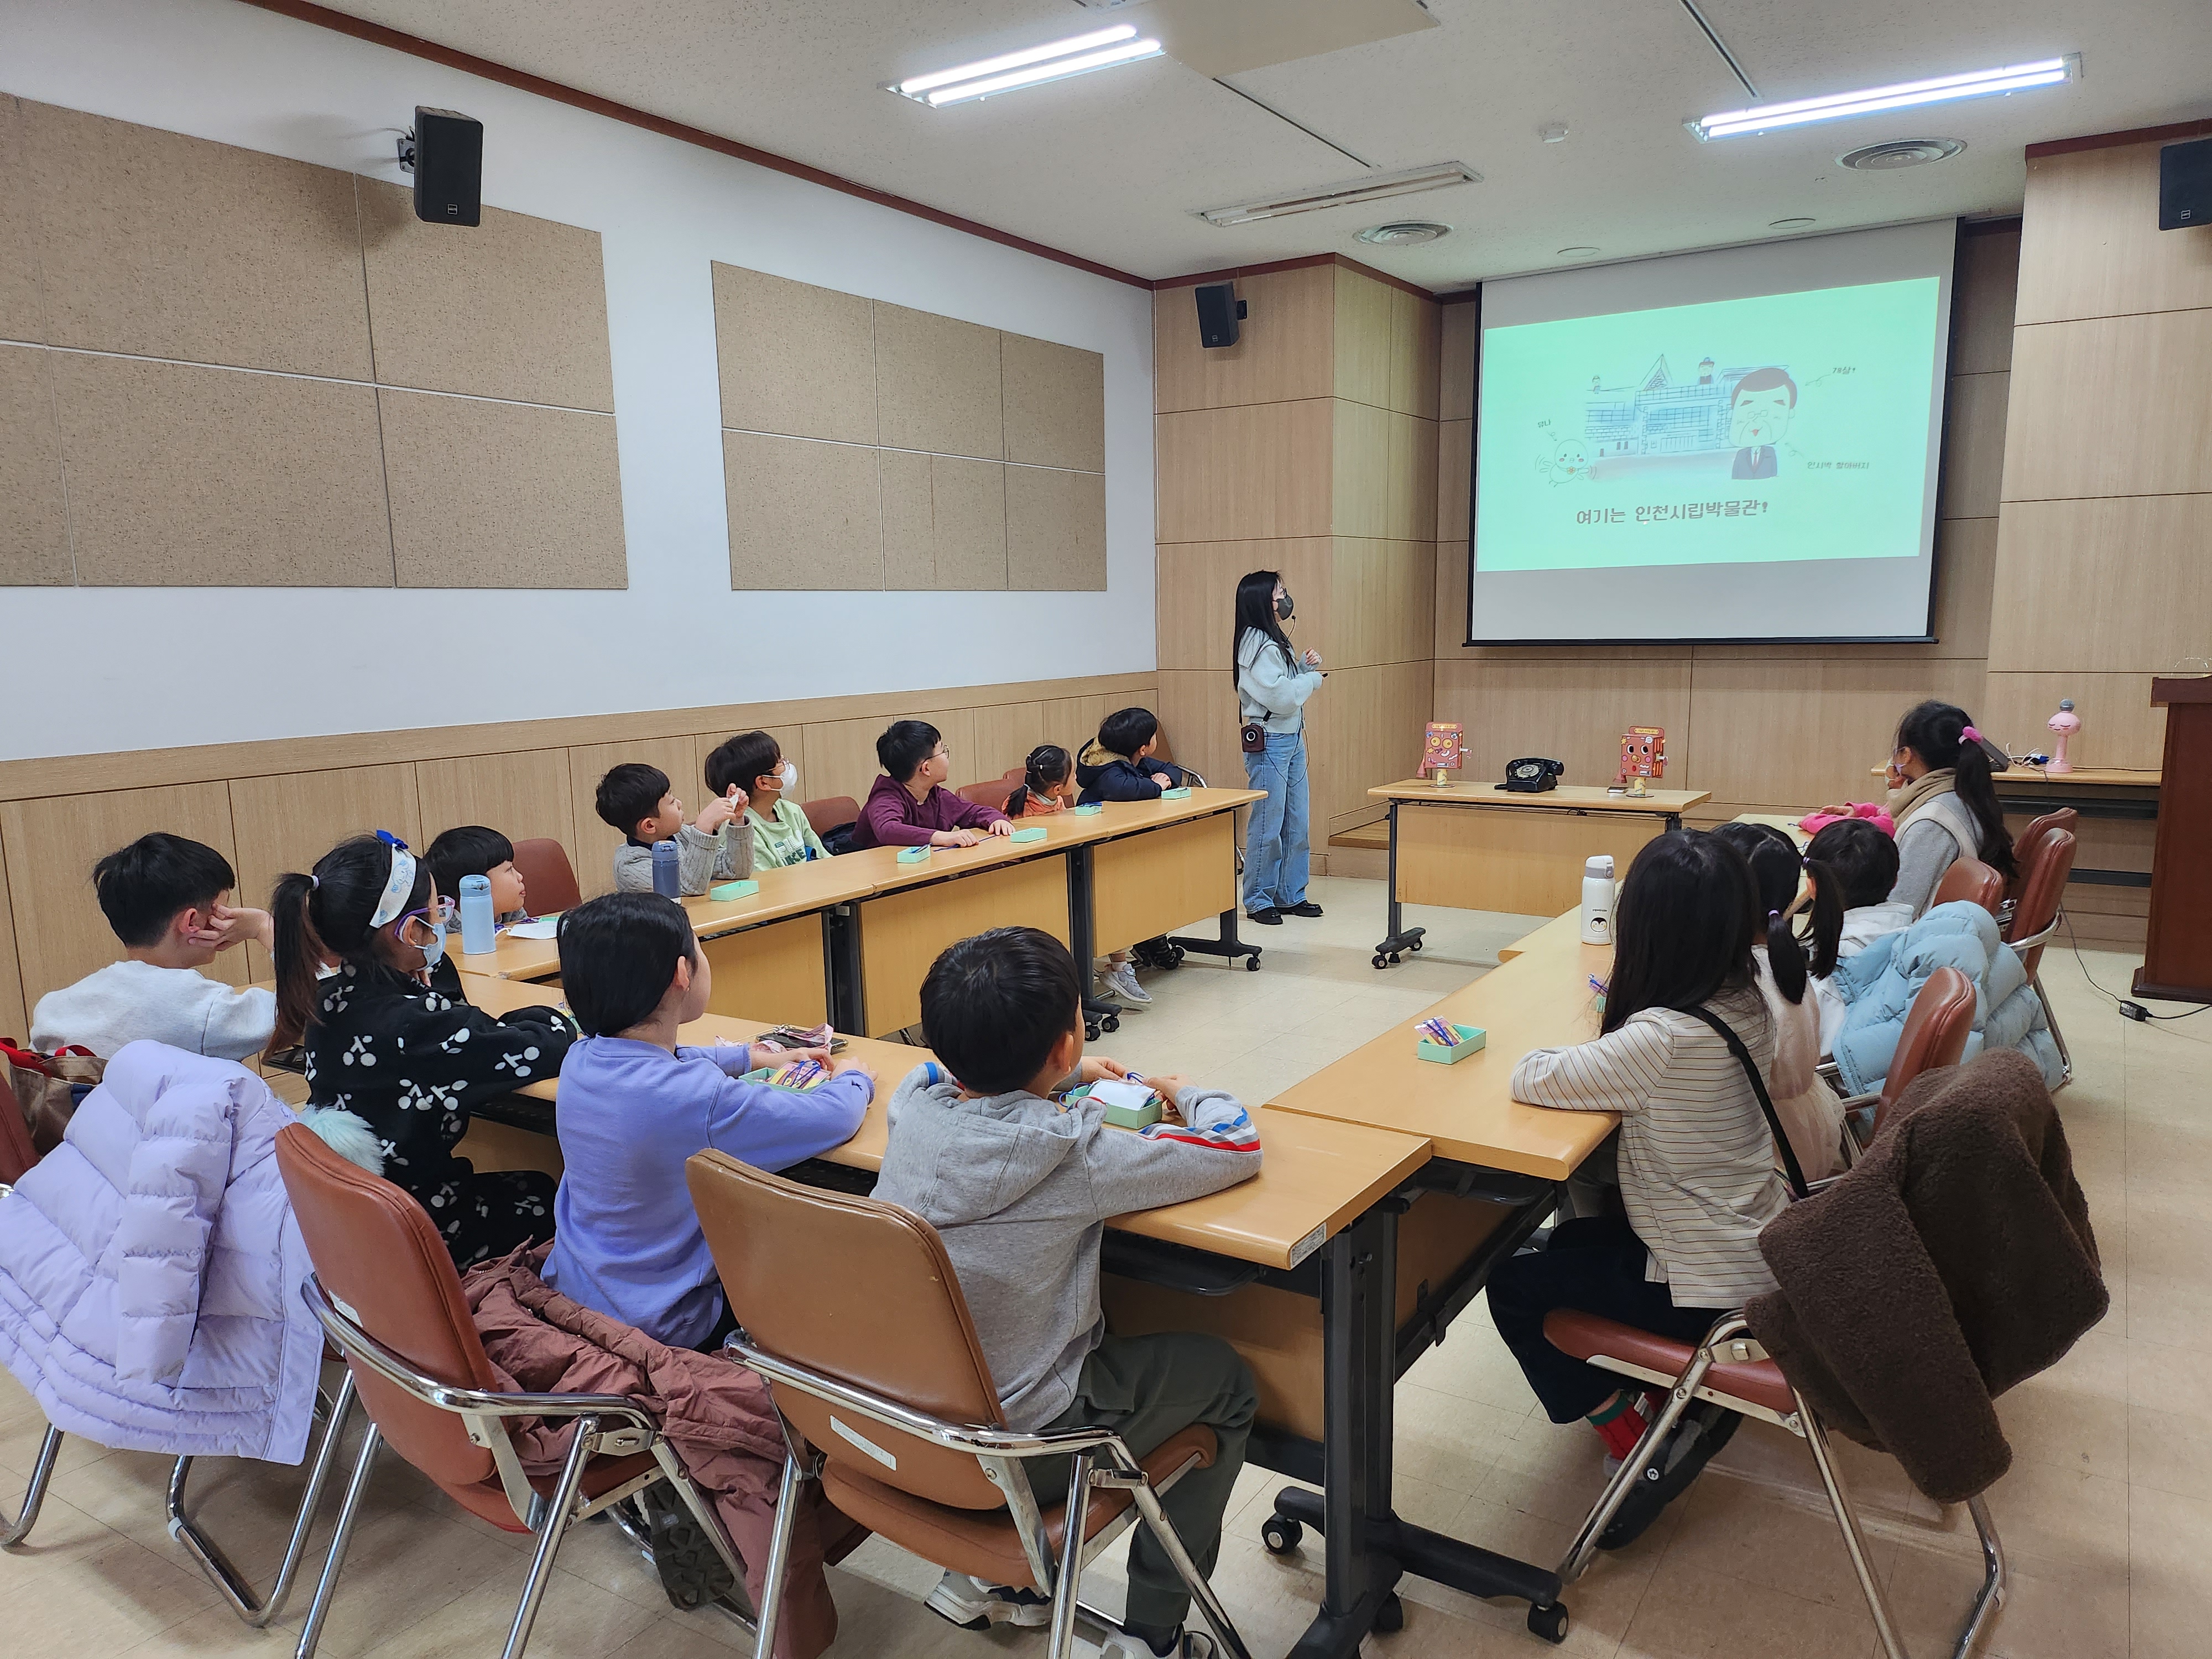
1014 775
992 793
549 880
862 1292
1971 879
1937 1027
829 811
379 1259
2042 888
2033 843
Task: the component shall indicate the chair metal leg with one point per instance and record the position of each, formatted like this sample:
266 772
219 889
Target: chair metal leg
311 1632
1068 1583
1885 1622
559 1510
704 1512
1200 1587
2051 1018
256 1613
1993 1579
13 1533
779 1556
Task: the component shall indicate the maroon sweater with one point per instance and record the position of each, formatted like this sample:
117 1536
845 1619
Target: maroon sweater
893 817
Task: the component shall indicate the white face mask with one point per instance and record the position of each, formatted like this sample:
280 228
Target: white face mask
790 777
434 951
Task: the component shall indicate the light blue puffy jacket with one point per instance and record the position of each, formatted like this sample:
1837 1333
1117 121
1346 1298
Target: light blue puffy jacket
1878 986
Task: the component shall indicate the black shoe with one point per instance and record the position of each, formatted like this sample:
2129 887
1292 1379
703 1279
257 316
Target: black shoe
692 1571
1270 917
1303 908
1703 1430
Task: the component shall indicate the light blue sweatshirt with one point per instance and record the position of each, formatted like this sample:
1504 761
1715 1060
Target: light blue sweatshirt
626 1240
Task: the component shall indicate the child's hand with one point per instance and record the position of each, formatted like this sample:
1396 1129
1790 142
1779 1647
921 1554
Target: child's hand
1169 1087
1002 826
790 1056
954 838
1093 1068
713 816
226 926
839 1068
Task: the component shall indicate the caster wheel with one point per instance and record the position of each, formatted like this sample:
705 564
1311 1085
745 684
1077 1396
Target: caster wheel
1382 961
1390 1617
1251 964
1175 961
1416 945
1111 1023
1090 1031
1280 1534
1550 1623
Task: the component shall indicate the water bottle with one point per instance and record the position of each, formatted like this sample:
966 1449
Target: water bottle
667 879
1597 900
479 927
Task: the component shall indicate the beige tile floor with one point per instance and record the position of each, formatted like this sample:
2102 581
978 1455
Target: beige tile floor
2106 1513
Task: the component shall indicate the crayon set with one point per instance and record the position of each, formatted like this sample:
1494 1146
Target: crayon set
1442 1032
801 1074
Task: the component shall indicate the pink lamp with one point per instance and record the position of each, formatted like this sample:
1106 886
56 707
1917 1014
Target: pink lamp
2065 723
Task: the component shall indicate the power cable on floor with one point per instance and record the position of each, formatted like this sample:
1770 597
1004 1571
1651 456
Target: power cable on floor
2129 1009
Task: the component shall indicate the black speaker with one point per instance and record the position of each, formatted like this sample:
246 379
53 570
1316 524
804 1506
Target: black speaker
1218 308
2185 185
448 167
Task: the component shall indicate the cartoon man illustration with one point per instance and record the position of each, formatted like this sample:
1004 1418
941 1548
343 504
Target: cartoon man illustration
1568 461
1759 413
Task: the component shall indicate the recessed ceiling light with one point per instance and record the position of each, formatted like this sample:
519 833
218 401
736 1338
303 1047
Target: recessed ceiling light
1576 252
1789 224
1403 233
1373 187
1977 83
1031 66
1901 153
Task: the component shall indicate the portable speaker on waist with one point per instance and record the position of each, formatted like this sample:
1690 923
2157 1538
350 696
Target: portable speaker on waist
448 167
2185 185
1218 308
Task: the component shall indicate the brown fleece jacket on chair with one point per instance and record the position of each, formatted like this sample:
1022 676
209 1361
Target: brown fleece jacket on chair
1954 1261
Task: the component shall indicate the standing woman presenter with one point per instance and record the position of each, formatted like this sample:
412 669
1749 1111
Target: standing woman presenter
1273 683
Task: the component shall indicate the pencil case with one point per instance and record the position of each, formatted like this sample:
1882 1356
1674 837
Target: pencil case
1035 832
766 1076
1096 806
1472 1036
1182 794
734 890
1127 1117
913 855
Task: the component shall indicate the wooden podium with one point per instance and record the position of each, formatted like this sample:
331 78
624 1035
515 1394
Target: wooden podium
2178 957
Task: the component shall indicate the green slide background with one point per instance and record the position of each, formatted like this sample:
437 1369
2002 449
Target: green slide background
1852 466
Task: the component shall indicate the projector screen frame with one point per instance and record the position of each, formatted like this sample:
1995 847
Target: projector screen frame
1926 636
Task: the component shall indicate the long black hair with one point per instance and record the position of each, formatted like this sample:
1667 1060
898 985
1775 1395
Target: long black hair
1046 765
1936 731
327 914
1775 866
1255 607
1685 927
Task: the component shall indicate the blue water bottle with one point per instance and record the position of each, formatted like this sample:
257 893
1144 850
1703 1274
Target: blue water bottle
667 879
479 927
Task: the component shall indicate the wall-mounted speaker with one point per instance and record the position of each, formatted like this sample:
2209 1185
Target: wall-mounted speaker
1218 310
448 167
2185 185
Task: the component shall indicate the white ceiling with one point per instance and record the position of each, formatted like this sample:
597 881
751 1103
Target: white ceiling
1111 166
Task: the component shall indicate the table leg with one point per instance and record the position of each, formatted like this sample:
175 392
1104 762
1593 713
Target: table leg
1228 944
1400 937
840 947
1098 1014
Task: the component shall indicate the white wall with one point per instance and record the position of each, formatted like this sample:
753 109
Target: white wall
87 670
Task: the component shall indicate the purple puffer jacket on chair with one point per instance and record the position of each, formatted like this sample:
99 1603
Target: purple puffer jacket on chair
150 1268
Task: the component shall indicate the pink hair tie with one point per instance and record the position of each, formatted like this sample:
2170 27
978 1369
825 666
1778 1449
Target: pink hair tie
1969 734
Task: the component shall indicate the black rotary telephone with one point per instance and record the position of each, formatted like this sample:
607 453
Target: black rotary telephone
1532 776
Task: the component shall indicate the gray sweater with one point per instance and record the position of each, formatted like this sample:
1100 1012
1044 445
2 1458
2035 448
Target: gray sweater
701 860
1020 1190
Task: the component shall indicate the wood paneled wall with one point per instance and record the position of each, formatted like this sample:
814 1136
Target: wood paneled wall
1309 448
270 807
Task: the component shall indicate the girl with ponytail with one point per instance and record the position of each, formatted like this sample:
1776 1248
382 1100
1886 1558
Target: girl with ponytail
1942 799
362 965
1048 786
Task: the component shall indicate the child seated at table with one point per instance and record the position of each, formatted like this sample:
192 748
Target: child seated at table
1122 761
1865 861
752 762
1696 1159
635 1104
713 846
472 849
1019 1185
168 900
1047 787
909 806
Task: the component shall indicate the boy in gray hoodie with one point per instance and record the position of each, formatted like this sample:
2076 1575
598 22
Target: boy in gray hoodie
1019 1187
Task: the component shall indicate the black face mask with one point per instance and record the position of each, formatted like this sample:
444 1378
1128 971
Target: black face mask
1283 607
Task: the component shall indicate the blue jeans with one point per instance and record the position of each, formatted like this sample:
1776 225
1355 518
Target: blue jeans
1275 850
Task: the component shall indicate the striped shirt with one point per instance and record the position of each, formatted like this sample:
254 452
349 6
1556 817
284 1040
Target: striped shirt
1696 1159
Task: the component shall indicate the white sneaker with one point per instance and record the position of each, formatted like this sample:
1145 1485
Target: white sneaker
974 1605
1123 981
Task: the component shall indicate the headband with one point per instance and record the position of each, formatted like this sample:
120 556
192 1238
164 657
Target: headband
398 885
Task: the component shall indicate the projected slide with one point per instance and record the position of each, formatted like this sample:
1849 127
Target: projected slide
1783 428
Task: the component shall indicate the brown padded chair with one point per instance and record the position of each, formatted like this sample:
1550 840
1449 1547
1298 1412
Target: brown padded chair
829 811
1973 880
2030 845
1937 1027
992 793
2046 857
850 1310
389 1300
549 880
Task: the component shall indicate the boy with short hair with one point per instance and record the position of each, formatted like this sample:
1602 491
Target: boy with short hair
1122 763
753 762
1019 1186
470 849
167 899
713 846
635 1105
909 806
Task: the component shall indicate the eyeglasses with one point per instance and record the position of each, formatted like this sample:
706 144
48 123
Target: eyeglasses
437 917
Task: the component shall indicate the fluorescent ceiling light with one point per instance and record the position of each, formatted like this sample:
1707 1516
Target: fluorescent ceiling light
1980 83
1032 65
1372 188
